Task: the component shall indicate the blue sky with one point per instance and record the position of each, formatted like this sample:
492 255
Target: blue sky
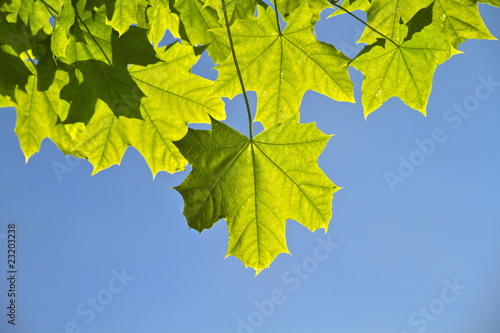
112 252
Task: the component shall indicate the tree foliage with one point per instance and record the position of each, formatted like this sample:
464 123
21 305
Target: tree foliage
91 76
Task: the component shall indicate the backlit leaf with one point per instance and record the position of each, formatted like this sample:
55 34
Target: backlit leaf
175 97
404 71
281 67
60 36
199 20
460 20
256 186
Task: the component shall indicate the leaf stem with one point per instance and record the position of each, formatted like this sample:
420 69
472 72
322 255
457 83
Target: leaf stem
238 70
334 3
50 9
277 16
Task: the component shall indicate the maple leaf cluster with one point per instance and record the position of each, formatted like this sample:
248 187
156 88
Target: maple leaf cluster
90 75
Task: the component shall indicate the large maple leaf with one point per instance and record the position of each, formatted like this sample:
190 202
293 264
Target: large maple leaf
282 66
256 185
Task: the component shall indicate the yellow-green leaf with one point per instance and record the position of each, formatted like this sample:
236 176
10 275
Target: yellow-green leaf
281 67
60 36
404 70
256 185
198 21
37 115
160 19
460 20
175 97
124 15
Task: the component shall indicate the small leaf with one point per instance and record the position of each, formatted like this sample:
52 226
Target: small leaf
60 36
199 20
36 14
124 15
404 71
460 20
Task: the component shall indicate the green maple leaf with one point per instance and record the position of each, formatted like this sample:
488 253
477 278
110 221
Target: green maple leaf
124 15
495 3
287 7
199 20
96 60
37 115
13 70
256 185
404 70
14 73
95 85
385 16
236 9
36 13
457 19
161 17
282 66
175 97
63 22
460 20
103 141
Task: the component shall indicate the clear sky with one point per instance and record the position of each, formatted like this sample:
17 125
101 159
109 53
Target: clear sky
112 252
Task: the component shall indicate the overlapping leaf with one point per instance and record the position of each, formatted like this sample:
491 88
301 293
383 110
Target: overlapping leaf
36 13
460 20
236 9
385 16
161 17
97 60
125 14
37 114
282 66
63 22
287 7
14 71
404 70
199 21
495 3
256 185
175 97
